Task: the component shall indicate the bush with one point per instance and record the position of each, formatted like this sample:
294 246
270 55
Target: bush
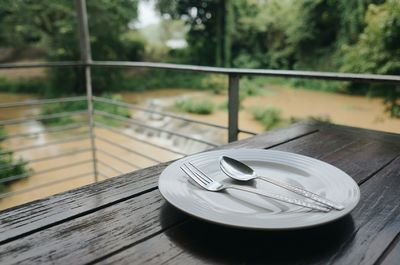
377 51
268 117
203 106
8 165
62 107
23 85
112 109
155 79
216 83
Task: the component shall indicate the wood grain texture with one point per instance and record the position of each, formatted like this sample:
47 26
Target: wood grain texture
392 254
95 235
376 218
357 155
31 217
125 220
356 239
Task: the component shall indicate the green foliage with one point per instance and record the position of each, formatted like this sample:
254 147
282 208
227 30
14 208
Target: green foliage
22 85
250 87
154 79
320 85
62 107
8 165
2 133
53 25
112 109
216 83
268 117
82 105
325 35
377 51
322 118
196 106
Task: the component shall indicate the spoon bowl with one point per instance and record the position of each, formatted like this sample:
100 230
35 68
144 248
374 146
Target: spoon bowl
236 169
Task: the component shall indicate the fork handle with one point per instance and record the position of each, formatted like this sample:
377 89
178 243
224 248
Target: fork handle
303 192
281 198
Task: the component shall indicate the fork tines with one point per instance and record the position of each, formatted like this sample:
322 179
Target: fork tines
196 174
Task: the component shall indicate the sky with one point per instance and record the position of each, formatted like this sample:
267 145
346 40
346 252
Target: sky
147 14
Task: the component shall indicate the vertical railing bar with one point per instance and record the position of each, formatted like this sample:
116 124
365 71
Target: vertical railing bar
86 57
233 107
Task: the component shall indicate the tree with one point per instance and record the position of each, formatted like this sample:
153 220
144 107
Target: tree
210 33
377 50
53 25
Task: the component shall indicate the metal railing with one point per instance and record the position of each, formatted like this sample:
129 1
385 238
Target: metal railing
90 114
90 122
78 131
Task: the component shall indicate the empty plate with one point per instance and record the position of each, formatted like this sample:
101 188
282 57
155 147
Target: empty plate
245 210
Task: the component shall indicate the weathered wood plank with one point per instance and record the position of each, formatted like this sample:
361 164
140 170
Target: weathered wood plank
376 219
373 134
84 239
357 153
31 217
356 240
392 254
42 213
276 137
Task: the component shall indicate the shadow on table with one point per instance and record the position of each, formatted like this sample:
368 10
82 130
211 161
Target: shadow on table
216 243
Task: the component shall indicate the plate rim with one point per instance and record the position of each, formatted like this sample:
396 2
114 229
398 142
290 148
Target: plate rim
248 227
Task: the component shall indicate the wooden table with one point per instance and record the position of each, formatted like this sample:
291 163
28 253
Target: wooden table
125 220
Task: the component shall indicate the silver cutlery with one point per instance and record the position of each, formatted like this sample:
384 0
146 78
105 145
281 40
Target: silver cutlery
210 184
240 171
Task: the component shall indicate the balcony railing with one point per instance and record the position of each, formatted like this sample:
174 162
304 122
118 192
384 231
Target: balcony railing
90 123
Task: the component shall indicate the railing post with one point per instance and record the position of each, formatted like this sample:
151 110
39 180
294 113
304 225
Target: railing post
86 58
233 107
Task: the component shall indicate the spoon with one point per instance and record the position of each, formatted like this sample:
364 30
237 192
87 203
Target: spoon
240 171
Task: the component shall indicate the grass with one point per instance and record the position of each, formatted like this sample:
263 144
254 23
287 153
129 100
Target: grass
202 106
112 109
268 117
62 107
22 85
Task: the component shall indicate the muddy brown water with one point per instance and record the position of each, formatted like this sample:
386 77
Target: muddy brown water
355 111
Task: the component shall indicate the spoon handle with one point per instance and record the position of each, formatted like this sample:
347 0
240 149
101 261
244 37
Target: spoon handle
303 192
281 198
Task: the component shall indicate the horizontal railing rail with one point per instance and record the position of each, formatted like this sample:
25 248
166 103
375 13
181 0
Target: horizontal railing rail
128 149
166 114
233 129
55 129
66 140
141 124
100 162
43 117
10 193
101 125
35 102
217 70
24 175
118 158
64 154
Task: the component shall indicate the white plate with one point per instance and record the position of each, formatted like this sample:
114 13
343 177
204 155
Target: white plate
246 210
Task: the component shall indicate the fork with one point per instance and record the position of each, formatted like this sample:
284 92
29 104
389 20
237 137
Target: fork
210 184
